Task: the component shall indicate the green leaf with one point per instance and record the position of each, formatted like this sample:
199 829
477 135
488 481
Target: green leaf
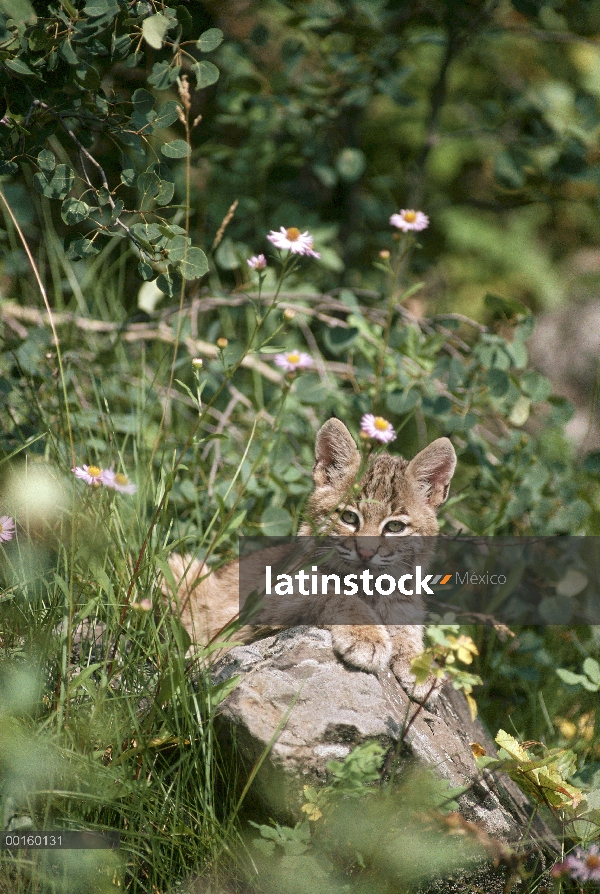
80 248
120 46
170 283
68 53
338 339
507 172
146 272
592 669
128 174
143 101
164 75
73 211
194 265
97 8
8 167
206 74
276 522
154 29
570 678
46 160
498 382
148 185
21 11
167 114
400 402
17 65
60 184
165 193
505 308
177 248
220 691
176 149
520 412
572 583
229 255
210 40
147 233
350 164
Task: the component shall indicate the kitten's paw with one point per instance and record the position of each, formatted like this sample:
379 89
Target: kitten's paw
424 693
367 648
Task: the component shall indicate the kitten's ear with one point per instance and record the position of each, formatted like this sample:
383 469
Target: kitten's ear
433 469
336 455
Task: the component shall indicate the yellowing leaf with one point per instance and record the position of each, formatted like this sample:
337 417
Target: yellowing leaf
312 812
472 705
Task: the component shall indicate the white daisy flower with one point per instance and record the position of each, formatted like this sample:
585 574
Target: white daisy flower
117 481
293 361
294 241
258 262
378 428
92 475
410 220
7 528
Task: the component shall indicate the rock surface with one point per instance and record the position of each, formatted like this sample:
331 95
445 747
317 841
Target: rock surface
296 698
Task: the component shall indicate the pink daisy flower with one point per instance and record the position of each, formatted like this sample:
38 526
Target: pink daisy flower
7 528
294 241
258 262
117 481
378 428
293 361
584 865
408 219
90 474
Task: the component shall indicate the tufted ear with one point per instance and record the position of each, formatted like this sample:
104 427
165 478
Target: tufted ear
432 469
336 455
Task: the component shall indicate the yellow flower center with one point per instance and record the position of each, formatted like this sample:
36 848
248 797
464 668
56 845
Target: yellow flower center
592 862
293 233
294 357
381 424
94 471
410 216
121 479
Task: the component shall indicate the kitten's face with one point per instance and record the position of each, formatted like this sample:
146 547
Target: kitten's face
394 499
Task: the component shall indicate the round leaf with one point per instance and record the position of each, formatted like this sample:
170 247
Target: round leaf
46 160
143 101
73 211
176 149
154 29
350 164
572 583
170 283
401 402
166 115
194 264
228 255
276 522
339 340
206 74
210 40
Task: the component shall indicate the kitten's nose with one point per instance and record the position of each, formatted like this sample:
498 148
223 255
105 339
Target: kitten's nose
365 552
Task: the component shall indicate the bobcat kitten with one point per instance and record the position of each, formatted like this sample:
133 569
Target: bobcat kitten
392 498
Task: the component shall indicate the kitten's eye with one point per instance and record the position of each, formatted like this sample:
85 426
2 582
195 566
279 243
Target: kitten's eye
349 518
394 527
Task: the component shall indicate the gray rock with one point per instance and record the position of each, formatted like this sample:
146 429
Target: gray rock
297 701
